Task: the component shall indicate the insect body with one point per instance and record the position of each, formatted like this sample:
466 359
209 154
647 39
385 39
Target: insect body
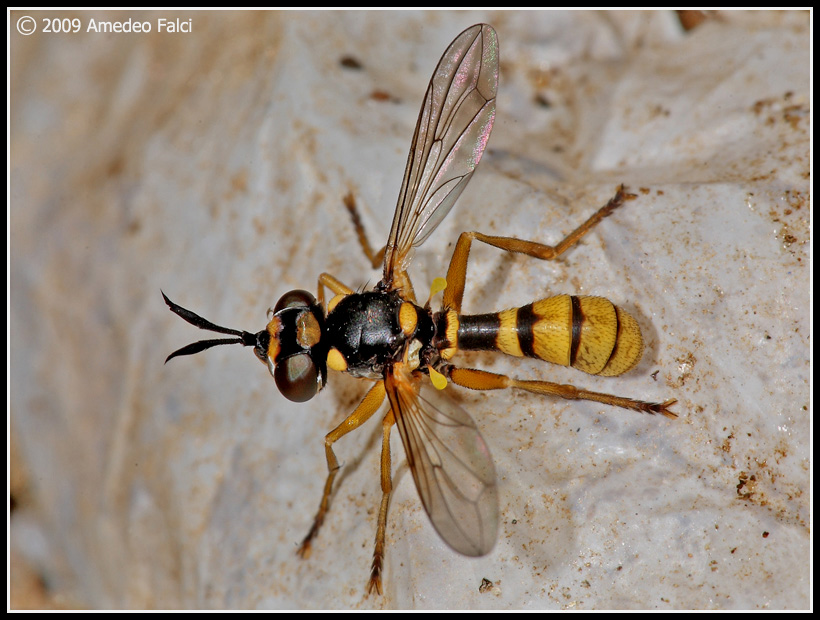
385 335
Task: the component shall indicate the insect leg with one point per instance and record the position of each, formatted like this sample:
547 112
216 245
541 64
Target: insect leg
399 281
327 280
387 488
375 258
483 380
372 401
457 272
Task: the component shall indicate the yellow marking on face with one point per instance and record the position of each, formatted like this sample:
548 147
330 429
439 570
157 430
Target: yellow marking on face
274 327
308 332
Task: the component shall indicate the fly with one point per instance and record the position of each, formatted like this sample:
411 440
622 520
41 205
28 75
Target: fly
385 335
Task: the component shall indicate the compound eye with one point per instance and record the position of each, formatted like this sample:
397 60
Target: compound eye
297 298
297 377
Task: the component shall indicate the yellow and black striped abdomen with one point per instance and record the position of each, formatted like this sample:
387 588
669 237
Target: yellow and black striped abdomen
587 333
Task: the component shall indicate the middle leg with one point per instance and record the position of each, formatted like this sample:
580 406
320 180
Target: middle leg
387 488
457 272
375 258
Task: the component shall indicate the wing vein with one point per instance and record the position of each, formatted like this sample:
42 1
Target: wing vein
449 461
451 134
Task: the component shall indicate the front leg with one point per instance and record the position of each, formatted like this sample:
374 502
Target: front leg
371 403
327 280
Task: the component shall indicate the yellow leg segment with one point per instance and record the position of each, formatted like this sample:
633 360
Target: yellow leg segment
371 403
387 487
483 380
457 272
327 280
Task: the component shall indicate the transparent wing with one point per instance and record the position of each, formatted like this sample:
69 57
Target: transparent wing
453 128
450 463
